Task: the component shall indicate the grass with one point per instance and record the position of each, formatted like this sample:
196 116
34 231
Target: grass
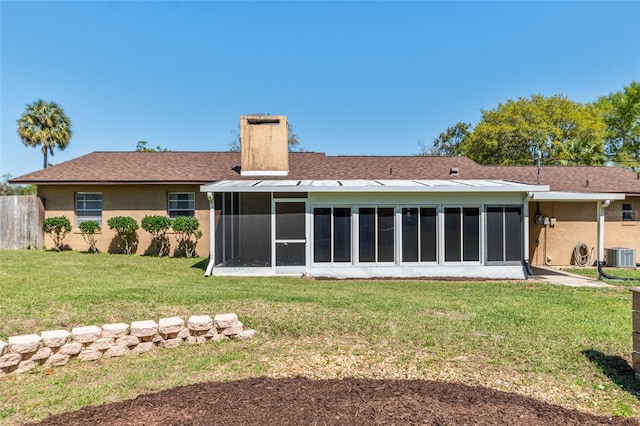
569 346
632 273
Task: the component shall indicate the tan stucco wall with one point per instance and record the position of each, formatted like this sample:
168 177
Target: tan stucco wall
577 223
136 201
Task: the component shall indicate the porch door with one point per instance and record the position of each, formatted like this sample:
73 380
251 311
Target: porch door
290 233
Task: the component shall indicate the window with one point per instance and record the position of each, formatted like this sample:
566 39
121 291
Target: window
504 234
462 234
88 207
376 228
182 204
332 234
627 212
419 234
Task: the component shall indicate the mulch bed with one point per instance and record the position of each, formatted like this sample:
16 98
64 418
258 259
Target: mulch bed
300 401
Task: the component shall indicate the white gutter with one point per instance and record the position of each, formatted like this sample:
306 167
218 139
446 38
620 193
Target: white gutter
525 215
212 234
577 196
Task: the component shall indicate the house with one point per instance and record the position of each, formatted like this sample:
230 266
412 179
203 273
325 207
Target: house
266 211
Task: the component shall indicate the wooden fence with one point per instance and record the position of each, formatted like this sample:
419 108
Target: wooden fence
21 222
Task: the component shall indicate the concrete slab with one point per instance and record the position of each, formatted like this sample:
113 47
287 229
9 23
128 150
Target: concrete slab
558 277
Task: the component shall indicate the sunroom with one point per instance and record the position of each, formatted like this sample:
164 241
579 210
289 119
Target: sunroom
370 228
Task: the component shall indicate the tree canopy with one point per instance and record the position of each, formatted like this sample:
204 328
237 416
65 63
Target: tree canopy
45 124
621 113
141 146
565 132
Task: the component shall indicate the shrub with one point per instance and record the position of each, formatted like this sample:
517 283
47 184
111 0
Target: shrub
125 228
88 230
187 235
57 228
157 226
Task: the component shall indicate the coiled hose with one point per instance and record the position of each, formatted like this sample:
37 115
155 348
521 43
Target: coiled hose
581 255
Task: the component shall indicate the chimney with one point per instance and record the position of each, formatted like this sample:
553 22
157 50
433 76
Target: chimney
264 145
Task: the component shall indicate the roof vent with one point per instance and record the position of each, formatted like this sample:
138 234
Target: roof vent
453 171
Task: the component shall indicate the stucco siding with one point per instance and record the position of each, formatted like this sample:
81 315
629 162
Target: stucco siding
136 201
577 223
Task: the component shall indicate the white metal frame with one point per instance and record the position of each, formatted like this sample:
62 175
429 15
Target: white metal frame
481 230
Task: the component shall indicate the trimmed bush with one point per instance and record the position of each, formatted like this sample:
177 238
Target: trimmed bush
88 230
125 228
187 235
57 228
157 226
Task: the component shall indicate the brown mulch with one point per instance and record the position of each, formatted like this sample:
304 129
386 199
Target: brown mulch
301 401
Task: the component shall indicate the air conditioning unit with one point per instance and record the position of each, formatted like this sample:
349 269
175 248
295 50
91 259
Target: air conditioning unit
619 257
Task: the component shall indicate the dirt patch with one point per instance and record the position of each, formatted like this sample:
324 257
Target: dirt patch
301 401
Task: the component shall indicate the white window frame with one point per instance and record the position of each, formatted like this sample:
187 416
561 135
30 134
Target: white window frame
420 262
356 227
443 236
96 217
191 200
332 207
504 237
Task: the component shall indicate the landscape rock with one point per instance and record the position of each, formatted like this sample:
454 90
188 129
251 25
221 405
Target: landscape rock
57 359
143 347
170 343
26 365
116 351
10 360
170 325
72 348
218 337
87 334
40 354
225 320
25 344
3 347
212 332
89 355
184 333
127 341
55 338
246 335
200 323
144 328
232 331
115 330
101 344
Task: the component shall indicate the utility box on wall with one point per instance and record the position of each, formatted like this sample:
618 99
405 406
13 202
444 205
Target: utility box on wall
619 257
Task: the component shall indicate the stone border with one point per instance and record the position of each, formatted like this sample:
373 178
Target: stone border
90 343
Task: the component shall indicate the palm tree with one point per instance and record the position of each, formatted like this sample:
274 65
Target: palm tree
45 124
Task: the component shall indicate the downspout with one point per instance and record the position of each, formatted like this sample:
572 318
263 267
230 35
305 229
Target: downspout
526 265
601 206
212 234
601 274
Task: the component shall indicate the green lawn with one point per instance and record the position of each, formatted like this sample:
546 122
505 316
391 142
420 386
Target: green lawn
632 273
569 346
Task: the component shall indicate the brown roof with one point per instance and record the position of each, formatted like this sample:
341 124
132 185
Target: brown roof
205 167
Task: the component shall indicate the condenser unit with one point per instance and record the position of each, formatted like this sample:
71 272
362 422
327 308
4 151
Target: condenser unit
619 257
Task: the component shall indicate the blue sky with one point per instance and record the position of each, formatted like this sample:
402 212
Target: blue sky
370 78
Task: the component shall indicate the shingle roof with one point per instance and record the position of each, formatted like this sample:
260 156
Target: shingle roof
205 167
